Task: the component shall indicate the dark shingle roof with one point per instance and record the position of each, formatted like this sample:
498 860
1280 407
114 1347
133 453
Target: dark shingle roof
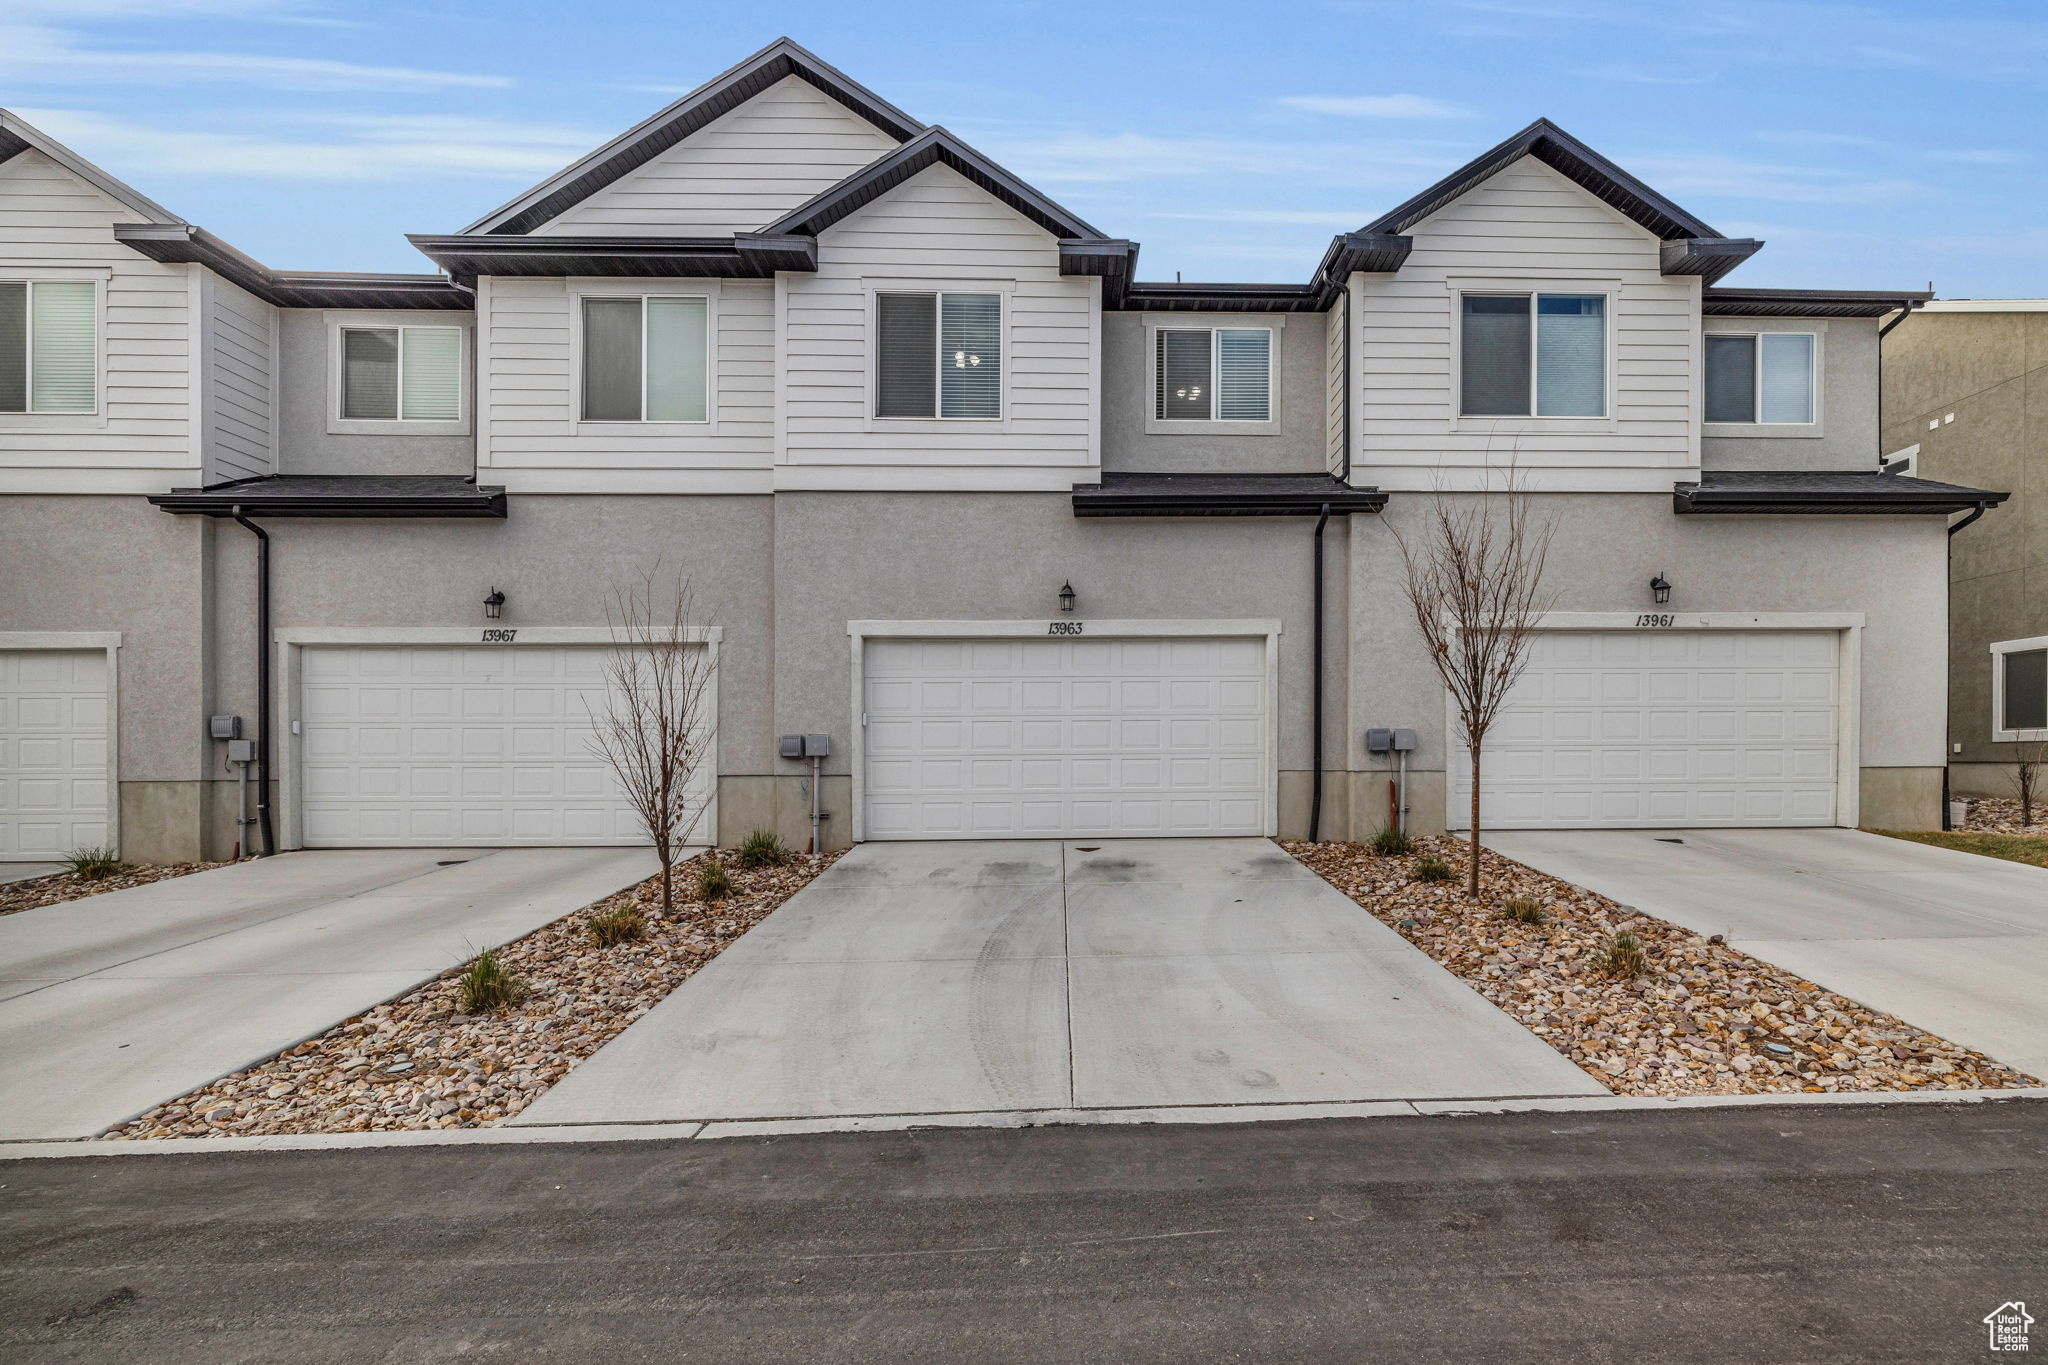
1840 492
339 495
1222 495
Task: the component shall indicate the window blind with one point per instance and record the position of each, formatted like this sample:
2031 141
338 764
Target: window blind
1183 368
369 373
907 345
430 364
63 350
1786 393
677 355
1571 355
2026 690
1731 378
611 360
13 346
1494 341
1243 374
970 355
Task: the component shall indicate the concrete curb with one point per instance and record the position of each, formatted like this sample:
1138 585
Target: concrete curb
1019 1118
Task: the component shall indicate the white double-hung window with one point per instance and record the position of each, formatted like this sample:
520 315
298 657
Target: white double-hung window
939 354
646 358
2019 689
49 346
1760 378
1533 355
1212 374
401 374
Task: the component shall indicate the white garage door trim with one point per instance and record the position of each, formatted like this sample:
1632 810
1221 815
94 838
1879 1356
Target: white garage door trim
110 642
292 642
1848 626
1067 628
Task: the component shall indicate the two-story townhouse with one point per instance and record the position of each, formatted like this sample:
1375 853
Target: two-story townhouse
1045 550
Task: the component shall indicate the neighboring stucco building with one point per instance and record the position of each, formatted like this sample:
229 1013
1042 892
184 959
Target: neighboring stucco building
1966 399
882 401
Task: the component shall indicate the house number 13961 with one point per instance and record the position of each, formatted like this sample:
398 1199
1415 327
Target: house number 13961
1657 619
1065 627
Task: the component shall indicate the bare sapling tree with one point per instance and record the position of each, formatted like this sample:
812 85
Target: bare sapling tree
656 727
2030 779
1474 575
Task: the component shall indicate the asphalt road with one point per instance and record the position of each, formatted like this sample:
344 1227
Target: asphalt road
1812 1234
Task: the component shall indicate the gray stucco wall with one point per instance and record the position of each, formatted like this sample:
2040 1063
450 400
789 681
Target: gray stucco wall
1296 442
1847 397
306 446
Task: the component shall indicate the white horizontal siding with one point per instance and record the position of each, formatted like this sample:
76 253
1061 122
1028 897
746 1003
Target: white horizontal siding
941 230
738 173
530 437
240 391
1527 227
144 437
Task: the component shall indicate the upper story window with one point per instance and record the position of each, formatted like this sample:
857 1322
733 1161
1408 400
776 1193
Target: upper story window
647 358
2019 687
1213 374
49 346
939 355
401 374
1766 377
1534 355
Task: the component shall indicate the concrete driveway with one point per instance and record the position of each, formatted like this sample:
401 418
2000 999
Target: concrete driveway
116 1003
1952 942
966 977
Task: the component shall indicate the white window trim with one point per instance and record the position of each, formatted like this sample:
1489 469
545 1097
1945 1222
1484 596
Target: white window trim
1155 425
1999 649
1757 327
1464 421
860 632
1847 625
339 321
1004 290
291 643
593 425
31 422
109 641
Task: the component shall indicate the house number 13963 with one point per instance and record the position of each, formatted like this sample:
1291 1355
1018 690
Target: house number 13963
1065 627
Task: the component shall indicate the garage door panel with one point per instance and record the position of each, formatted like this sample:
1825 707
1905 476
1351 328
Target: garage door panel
1068 737
54 794
1685 727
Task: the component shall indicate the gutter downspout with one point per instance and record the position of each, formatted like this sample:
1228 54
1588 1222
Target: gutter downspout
262 678
1979 510
1315 800
1906 310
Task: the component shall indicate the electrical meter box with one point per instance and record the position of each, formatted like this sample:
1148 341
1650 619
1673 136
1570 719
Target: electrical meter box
1381 739
804 746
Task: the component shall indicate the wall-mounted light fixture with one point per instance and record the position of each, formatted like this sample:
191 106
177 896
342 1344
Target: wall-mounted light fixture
1660 590
1066 597
494 605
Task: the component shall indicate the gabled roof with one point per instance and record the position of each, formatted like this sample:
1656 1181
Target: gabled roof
653 136
18 136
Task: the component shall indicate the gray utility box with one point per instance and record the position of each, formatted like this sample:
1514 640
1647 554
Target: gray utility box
1382 740
224 727
805 746
241 751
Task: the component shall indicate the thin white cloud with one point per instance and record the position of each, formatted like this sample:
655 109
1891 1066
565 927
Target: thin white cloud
354 148
1979 156
1054 157
32 55
1376 106
1282 217
1736 178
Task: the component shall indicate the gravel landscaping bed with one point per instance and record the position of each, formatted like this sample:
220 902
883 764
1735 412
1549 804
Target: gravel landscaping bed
2001 815
1703 1018
59 887
418 1062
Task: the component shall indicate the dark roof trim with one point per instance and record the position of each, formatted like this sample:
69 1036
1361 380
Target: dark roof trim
934 146
751 255
1825 493
1569 157
1808 303
1708 257
1367 251
182 242
1221 298
663 130
1113 259
1222 495
339 495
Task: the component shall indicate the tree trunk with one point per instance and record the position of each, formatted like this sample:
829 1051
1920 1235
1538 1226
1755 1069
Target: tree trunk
661 851
1472 871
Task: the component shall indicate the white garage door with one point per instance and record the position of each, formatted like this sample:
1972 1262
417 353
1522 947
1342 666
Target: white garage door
1665 728
53 752
981 739
452 744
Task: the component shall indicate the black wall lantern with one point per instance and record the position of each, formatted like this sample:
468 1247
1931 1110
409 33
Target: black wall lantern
494 605
1066 597
1660 590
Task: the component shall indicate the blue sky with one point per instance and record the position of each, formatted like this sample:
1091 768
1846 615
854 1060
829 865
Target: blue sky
1872 145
